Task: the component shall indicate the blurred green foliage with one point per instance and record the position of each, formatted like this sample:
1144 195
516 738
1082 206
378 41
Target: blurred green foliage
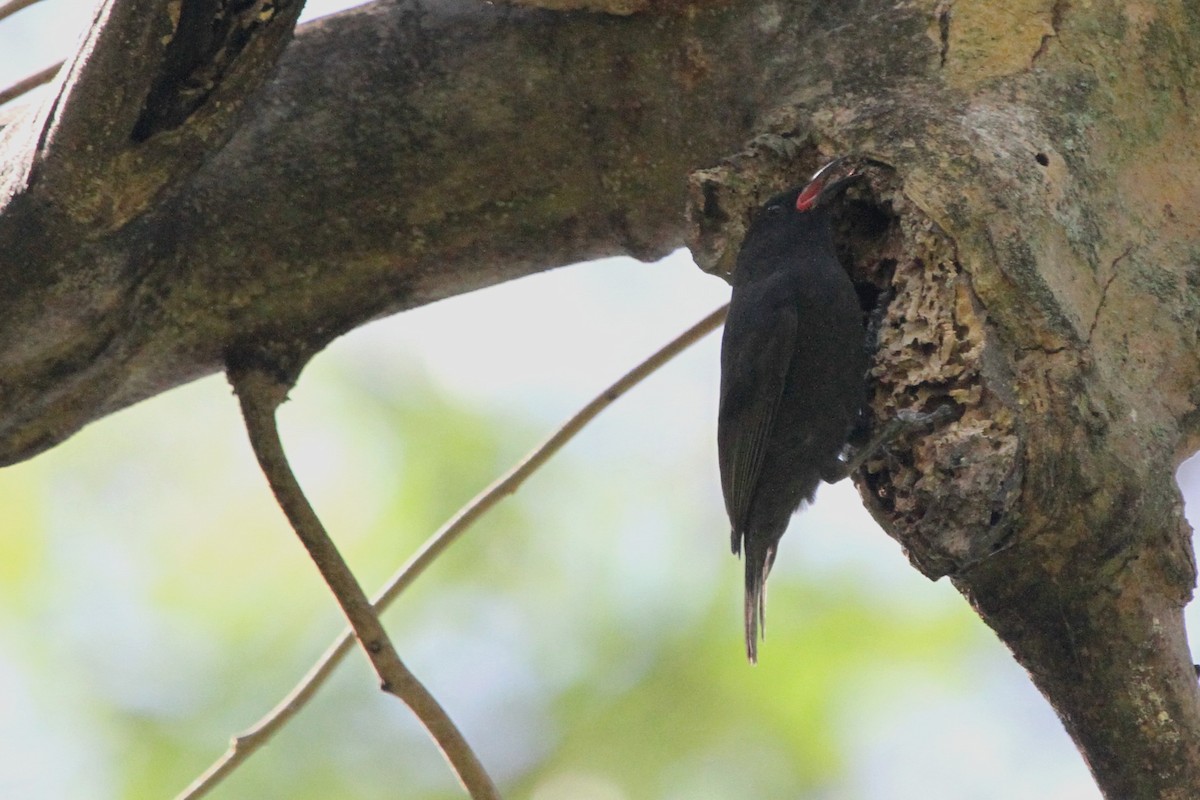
586 635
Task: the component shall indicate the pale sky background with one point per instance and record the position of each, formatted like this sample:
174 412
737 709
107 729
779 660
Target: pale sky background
552 341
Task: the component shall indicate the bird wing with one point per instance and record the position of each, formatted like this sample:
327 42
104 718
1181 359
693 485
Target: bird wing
751 391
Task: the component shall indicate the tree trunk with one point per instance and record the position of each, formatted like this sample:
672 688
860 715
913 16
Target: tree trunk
1027 240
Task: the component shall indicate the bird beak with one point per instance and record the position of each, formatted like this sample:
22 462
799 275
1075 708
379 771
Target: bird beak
826 183
829 170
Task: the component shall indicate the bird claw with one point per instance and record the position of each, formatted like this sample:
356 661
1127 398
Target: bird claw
911 419
905 421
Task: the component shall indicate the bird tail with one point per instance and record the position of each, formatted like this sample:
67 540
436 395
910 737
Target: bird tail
758 566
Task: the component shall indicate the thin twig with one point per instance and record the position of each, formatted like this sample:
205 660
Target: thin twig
13 6
26 85
260 395
246 744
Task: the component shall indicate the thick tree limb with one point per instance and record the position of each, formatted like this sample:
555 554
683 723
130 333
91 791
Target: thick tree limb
401 154
153 92
154 88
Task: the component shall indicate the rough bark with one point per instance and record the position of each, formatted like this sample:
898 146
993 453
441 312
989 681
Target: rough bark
1027 244
400 154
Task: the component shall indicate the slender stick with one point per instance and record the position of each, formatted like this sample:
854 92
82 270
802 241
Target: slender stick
30 83
246 744
260 394
13 6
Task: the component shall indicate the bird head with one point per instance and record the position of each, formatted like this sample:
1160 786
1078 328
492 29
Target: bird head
793 223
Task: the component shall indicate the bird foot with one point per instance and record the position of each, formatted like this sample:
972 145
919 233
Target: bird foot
905 421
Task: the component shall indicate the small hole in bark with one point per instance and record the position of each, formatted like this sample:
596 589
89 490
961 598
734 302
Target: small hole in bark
866 220
712 204
868 296
1042 159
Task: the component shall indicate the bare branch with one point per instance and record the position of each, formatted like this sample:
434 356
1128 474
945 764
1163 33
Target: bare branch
13 6
26 85
246 744
260 394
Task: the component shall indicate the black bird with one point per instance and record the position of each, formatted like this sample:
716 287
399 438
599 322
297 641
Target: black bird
793 374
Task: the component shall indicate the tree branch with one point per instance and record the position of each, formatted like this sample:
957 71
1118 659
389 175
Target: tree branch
29 83
407 151
260 393
13 6
246 744
389 162
153 90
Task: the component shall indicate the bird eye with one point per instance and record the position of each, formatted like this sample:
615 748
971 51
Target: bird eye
774 210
